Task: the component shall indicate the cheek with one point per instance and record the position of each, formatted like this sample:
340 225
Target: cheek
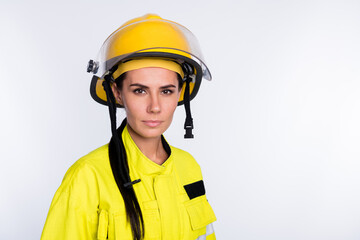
133 107
128 103
171 105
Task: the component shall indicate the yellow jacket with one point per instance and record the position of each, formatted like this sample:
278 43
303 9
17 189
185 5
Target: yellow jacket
88 204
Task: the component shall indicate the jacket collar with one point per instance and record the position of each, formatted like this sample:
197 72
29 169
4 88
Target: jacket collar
142 163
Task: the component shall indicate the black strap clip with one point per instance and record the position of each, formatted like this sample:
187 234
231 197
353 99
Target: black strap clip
188 126
130 184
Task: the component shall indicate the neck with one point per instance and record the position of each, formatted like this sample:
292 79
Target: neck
152 148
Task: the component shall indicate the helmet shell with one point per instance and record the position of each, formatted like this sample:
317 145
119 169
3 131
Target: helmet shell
149 36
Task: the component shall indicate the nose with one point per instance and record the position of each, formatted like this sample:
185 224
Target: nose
154 104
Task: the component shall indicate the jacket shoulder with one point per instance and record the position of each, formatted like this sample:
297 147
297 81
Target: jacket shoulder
82 178
73 210
186 166
87 164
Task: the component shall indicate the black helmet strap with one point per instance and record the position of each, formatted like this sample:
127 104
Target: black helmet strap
188 126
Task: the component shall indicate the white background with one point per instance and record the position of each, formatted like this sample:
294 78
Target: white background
277 131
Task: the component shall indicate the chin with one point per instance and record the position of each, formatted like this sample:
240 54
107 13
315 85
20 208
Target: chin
152 132
148 132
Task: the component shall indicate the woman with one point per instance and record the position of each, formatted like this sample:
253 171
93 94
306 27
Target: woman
138 186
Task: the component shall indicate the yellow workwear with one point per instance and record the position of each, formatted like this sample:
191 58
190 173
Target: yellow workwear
88 204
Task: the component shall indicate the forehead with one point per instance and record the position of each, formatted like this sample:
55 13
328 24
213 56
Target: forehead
151 76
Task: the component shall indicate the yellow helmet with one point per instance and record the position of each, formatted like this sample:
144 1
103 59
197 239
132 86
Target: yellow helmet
149 36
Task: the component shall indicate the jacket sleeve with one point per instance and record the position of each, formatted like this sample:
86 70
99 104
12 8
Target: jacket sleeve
210 234
73 211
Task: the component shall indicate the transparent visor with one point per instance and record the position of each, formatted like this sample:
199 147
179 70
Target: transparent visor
149 38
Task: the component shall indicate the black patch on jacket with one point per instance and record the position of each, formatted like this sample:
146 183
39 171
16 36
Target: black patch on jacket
195 189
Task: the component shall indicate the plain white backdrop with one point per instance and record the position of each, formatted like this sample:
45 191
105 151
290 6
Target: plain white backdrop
277 131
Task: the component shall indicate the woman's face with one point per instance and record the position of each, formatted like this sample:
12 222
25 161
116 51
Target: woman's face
149 96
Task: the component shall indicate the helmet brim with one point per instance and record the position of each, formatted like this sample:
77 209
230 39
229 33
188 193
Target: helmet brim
97 91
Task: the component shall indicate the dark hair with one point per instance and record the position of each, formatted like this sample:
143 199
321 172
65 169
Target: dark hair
180 80
119 163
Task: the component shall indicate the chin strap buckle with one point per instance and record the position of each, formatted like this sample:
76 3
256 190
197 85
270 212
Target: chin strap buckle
188 126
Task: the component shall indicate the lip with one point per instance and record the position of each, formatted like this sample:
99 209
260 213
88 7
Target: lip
152 123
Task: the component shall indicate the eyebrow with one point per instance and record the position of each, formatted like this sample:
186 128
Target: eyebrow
168 86
146 87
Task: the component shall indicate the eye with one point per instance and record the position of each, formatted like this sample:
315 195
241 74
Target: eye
139 91
167 91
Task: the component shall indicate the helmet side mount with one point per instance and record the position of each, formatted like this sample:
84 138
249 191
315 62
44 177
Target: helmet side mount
92 66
